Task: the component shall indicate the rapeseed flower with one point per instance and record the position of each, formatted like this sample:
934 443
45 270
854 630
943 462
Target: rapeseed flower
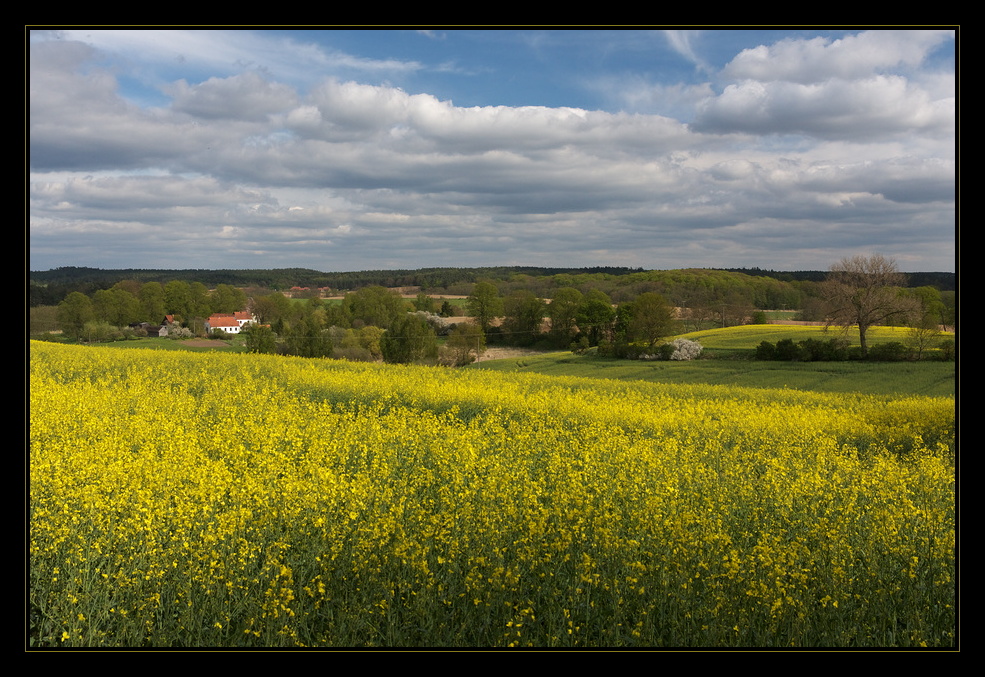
316 503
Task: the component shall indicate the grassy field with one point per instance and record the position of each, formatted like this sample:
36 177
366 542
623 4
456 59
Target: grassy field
742 340
730 345
182 499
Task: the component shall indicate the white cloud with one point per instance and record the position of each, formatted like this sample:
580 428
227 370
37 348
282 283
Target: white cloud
867 108
836 89
240 97
821 59
821 136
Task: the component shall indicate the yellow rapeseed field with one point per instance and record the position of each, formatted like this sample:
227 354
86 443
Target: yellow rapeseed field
211 500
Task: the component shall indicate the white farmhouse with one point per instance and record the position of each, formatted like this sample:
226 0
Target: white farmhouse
230 323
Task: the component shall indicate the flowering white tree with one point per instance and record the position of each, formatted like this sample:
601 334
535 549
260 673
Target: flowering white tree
685 349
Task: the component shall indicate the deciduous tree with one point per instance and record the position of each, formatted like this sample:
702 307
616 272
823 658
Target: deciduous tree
270 308
563 311
424 303
226 298
375 305
409 339
595 316
652 319
466 343
178 300
152 302
74 312
198 302
864 291
260 339
116 306
307 339
484 304
523 314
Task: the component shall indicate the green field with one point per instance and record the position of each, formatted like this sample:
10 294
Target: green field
930 377
727 347
745 338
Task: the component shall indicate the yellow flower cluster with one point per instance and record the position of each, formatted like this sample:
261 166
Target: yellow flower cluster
181 499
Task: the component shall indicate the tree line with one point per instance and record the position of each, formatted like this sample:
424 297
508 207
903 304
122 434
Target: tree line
860 292
764 288
374 323
52 286
377 323
130 302
562 311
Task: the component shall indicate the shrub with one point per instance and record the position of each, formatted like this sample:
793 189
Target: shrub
809 350
177 332
50 336
100 332
581 346
439 324
665 351
353 353
494 335
678 349
947 349
766 351
789 351
631 351
889 352
685 349
605 349
832 350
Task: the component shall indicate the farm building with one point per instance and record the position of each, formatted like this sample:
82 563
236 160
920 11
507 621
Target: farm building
151 329
230 323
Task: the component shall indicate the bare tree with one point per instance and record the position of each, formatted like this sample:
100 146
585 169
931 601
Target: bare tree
865 291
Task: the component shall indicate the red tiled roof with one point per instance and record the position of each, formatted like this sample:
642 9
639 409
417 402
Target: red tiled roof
222 321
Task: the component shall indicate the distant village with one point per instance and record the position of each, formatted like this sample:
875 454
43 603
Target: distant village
229 323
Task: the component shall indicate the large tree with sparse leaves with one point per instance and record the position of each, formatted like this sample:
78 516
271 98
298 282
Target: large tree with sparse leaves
865 291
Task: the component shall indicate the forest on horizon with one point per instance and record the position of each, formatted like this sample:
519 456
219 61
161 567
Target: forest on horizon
50 287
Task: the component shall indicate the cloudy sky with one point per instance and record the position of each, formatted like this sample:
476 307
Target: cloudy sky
343 150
